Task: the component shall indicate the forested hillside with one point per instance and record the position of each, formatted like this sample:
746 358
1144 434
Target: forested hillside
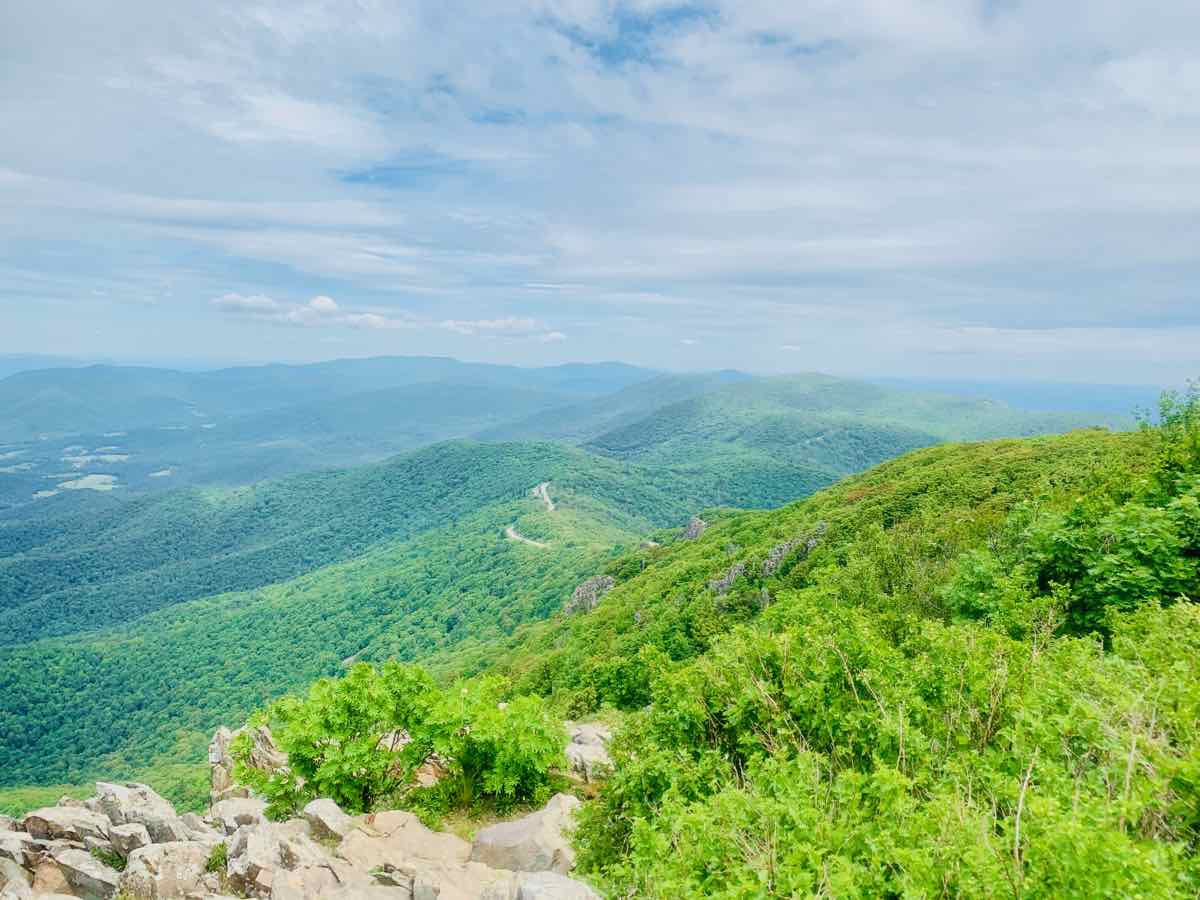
95 568
973 671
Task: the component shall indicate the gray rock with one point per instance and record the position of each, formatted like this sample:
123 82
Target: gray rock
164 871
126 804
89 878
258 852
264 755
587 750
696 527
236 812
314 882
425 879
538 886
127 838
17 847
587 595
397 838
73 824
534 843
552 886
48 878
327 819
14 880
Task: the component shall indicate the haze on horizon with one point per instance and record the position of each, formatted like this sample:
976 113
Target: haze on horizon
952 189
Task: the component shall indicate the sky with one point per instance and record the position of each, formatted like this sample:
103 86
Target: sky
949 188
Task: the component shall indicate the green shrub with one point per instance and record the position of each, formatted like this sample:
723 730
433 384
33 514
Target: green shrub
360 738
218 858
495 748
109 858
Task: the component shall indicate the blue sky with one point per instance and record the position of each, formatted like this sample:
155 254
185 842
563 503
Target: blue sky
911 187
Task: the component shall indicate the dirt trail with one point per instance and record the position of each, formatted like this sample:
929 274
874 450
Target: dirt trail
513 535
542 491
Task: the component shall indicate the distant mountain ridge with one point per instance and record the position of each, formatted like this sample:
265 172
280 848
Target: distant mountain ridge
142 429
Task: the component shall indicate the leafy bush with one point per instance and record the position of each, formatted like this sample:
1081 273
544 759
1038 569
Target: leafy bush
360 739
495 748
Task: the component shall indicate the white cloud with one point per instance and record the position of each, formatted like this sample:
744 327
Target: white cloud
763 171
239 303
323 304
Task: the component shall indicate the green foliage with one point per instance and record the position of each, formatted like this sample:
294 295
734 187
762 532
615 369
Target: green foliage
15 801
496 747
830 750
359 739
218 858
978 682
113 860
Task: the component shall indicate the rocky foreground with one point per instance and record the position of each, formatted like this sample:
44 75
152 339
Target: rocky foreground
128 842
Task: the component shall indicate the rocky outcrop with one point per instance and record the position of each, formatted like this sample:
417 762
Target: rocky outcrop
264 755
724 582
235 851
393 837
587 750
138 804
538 842
801 546
696 527
162 871
587 596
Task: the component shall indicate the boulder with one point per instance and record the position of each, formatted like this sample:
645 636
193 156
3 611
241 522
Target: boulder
587 750
127 838
327 819
538 886
236 812
48 878
89 878
126 804
14 880
551 886
258 852
73 824
164 871
199 830
396 838
315 882
7 823
438 880
18 847
534 843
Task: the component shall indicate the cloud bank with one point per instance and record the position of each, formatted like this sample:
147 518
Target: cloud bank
949 187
